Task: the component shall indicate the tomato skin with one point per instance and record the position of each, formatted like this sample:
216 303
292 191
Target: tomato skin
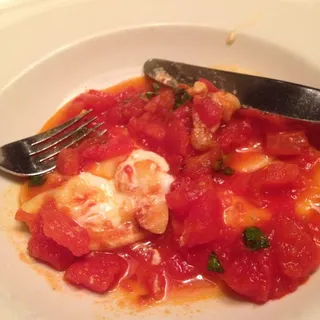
98 271
68 162
286 143
63 230
209 111
47 250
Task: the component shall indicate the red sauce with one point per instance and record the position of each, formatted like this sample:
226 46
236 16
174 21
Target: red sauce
249 230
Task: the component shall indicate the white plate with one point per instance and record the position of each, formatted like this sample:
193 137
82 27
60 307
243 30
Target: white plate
96 63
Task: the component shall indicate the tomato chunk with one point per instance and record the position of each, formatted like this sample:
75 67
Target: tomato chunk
249 273
63 230
97 100
204 221
161 103
286 143
115 143
202 164
98 271
185 192
275 176
47 250
177 138
209 111
68 162
295 249
234 135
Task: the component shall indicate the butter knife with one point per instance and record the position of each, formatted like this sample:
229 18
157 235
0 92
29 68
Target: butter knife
269 95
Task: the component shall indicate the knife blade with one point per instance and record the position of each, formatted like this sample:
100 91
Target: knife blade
269 95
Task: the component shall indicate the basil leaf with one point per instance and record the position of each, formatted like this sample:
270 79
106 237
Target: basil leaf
255 239
214 263
181 97
155 86
37 181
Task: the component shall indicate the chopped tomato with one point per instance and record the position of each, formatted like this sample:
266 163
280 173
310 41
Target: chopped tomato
286 143
161 103
209 111
97 100
185 192
98 271
250 274
47 250
211 87
204 221
68 162
295 249
106 147
234 135
133 107
63 230
149 129
177 138
275 176
201 164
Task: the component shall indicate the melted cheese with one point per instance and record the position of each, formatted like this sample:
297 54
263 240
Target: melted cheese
115 210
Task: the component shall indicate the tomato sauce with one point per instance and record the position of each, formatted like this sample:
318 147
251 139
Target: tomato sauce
244 206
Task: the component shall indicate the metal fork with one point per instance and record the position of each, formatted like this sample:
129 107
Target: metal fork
36 155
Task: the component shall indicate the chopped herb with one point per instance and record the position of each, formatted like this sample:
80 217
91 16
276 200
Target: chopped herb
219 166
37 181
228 171
181 97
214 263
255 239
155 86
